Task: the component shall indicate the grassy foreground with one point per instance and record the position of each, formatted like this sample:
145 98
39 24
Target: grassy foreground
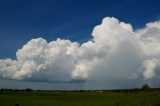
23 98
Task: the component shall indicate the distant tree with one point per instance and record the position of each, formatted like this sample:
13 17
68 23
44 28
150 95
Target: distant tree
145 87
28 90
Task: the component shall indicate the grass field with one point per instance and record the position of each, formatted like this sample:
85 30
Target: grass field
11 98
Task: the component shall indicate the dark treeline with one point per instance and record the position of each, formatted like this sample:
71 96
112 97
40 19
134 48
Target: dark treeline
145 87
63 91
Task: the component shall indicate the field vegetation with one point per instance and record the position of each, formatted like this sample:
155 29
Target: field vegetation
129 97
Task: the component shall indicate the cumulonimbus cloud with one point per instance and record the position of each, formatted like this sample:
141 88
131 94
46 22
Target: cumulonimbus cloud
114 52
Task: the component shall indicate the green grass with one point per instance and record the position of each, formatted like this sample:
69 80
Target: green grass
80 99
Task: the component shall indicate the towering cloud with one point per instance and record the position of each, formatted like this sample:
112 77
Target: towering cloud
115 55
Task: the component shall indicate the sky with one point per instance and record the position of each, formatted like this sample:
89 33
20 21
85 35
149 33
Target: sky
79 44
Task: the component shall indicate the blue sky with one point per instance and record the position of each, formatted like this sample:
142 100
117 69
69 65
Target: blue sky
22 20
117 57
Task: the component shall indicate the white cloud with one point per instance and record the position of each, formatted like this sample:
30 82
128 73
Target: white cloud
149 67
116 55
